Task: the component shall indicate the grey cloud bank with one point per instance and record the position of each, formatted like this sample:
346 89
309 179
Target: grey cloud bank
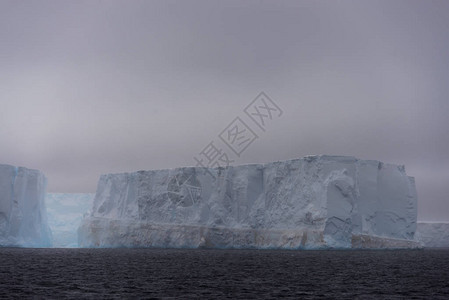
89 88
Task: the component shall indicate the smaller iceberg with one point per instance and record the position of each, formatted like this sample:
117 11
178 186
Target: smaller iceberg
23 215
65 212
433 234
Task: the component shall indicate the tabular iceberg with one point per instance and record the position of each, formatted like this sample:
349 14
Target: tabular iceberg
23 216
309 203
433 234
65 212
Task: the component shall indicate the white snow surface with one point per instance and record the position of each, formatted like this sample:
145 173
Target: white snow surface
433 234
23 217
313 202
65 212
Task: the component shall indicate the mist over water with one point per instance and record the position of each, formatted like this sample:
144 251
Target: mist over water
168 273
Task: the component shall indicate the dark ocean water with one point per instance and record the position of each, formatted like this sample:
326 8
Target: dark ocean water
147 273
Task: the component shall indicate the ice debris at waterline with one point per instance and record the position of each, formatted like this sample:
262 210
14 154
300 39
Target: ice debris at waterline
65 212
309 203
23 216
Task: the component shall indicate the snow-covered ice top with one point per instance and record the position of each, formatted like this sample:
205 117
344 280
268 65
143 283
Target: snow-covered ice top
337 195
23 216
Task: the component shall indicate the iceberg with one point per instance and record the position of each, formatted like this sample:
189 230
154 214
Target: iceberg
316 202
65 212
433 234
23 217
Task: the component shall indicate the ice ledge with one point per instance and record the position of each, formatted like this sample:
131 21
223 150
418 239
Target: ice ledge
123 233
377 242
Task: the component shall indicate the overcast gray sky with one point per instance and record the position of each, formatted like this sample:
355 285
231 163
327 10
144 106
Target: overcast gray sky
94 87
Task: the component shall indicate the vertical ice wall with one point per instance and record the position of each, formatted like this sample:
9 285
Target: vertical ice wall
23 215
313 202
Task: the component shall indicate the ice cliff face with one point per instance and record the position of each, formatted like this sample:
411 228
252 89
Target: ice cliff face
23 217
313 202
65 212
433 235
